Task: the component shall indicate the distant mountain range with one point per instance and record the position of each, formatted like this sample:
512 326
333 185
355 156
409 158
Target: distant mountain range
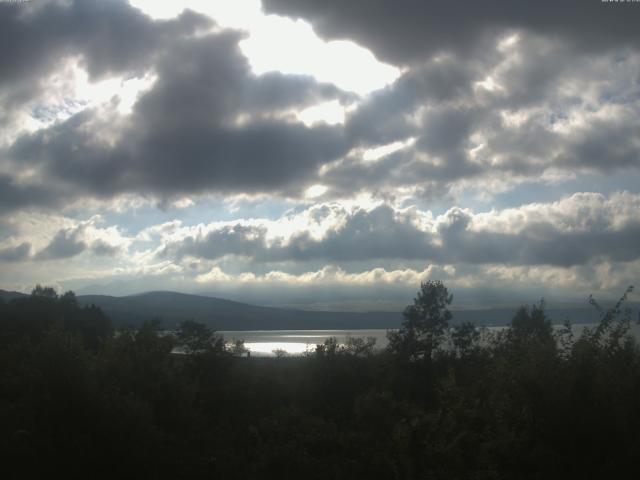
172 308
7 296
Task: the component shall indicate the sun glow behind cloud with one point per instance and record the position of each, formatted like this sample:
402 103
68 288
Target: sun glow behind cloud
71 91
373 154
276 43
331 113
315 191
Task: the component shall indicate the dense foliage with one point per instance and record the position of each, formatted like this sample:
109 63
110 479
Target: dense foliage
81 401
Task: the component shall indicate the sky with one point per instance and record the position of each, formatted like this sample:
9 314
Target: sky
321 153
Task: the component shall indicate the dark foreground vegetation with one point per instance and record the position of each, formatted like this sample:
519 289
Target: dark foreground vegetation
78 400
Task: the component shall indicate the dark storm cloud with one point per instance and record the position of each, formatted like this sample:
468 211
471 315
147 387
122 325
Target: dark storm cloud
16 195
469 132
602 145
207 81
540 242
274 90
109 36
352 175
265 156
605 145
365 235
72 241
404 168
406 31
66 154
434 105
580 229
65 244
104 249
15 254
385 116
230 240
207 124
563 52
445 131
374 234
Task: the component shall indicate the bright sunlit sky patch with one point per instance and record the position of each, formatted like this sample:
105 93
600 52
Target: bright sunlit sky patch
329 112
276 43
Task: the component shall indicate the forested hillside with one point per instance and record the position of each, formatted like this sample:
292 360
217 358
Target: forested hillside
80 401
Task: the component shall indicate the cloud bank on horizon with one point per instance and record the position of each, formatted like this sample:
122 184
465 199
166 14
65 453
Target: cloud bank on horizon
317 151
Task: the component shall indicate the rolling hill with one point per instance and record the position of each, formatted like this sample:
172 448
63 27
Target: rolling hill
172 308
8 296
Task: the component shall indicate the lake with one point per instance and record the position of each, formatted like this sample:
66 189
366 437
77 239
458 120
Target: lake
263 343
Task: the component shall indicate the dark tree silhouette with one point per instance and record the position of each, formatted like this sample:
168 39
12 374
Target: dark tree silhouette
425 322
464 337
196 337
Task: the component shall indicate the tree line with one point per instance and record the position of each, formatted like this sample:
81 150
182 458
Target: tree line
454 402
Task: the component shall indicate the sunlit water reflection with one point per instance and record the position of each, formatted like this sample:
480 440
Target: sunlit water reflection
297 342
269 343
